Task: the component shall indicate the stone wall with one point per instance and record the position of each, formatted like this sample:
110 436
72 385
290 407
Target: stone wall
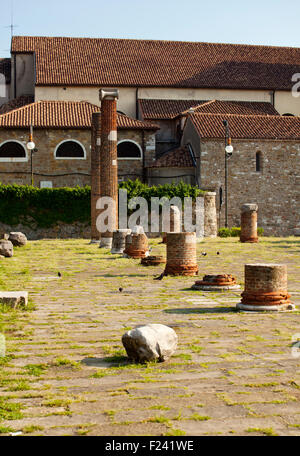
83 230
275 188
68 172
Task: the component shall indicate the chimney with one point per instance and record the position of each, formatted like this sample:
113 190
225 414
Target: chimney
109 156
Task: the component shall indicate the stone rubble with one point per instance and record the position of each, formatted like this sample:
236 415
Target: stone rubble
150 342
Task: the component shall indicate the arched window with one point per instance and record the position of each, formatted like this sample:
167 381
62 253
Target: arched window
258 161
70 149
13 151
288 114
129 150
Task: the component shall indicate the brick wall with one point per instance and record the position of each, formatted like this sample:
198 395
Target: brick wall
45 162
275 188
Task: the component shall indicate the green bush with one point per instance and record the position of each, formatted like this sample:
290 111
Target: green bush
43 208
224 232
235 231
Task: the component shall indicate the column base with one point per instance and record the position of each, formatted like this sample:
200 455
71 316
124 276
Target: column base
249 240
106 243
117 251
275 308
215 287
190 270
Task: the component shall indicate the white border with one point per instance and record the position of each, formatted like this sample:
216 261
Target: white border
131 158
70 158
14 159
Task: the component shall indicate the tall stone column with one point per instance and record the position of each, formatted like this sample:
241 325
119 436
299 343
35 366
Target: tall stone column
249 223
95 174
109 158
210 215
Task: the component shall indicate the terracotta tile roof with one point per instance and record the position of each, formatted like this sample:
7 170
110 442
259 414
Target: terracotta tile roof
63 114
165 109
156 109
148 63
176 158
16 103
237 107
5 68
247 127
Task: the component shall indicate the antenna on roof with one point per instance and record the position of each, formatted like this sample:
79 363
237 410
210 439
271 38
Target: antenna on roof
12 26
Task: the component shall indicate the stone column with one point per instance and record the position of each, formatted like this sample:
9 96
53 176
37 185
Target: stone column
137 246
95 173
119 238
249 223
109 157
181 254
210 215
265 288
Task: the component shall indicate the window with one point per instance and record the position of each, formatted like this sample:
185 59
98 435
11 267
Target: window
13 151
288 114
258 161
129 150
70 150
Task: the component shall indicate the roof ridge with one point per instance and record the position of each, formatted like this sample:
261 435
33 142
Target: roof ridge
21 107
155 41
193 107
242 115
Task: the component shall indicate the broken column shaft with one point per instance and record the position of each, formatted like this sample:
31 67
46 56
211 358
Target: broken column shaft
265 288
137 246
181 254
249 223
119 238
109 159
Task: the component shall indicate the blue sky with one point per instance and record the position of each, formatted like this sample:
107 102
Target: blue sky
269 22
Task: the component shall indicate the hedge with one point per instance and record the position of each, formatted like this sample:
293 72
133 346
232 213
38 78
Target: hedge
43 208
235 231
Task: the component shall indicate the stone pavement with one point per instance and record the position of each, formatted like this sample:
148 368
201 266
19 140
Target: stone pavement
66 372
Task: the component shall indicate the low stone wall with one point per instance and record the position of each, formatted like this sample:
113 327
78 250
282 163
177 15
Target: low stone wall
61 231
83 230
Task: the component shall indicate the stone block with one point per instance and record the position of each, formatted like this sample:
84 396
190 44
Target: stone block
17 239
150 342
14 299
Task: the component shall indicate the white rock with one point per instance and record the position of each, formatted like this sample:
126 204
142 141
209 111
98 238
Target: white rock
18 239
6 249
150 342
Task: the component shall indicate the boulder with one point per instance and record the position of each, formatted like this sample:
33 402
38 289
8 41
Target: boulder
6 249
150 343
18 239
